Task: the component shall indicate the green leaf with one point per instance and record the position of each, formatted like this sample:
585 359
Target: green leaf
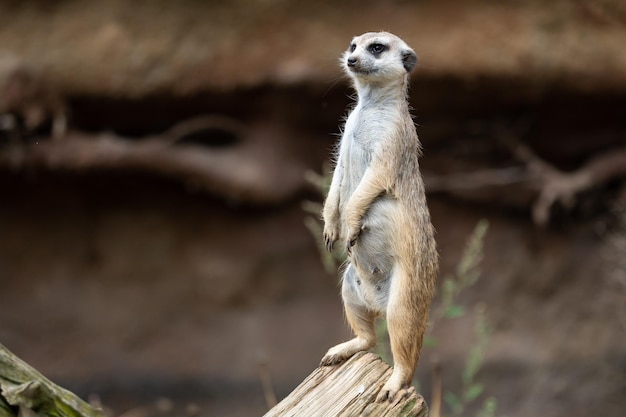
449 285
448 291
454 311
430 341
473 363
472 392
476 354
453 402
489 408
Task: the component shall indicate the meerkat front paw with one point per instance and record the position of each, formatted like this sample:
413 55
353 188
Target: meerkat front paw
354 227
331 234
352 236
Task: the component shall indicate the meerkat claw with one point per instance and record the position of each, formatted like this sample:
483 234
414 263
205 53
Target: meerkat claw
352 238
349 245
332 359
394 395
382 396
387 395
329 243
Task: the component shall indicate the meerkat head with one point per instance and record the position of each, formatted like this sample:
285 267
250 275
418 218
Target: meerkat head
378 56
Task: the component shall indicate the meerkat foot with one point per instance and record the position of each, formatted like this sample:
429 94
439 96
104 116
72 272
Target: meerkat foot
331 359
336 355
394 389
393 396
344 351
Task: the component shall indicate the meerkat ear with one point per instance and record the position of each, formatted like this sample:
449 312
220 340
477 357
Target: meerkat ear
409 59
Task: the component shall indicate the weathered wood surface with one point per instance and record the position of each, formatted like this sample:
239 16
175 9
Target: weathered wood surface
348 390
25 392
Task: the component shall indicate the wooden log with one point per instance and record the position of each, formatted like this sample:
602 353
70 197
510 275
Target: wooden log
348 390
26 392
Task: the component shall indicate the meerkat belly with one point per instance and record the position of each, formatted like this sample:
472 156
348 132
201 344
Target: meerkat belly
372 255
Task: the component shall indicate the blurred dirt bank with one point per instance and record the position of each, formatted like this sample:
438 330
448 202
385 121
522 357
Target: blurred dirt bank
132 49
139 260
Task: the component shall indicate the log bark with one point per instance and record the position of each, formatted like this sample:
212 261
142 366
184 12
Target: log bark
26 392
348 390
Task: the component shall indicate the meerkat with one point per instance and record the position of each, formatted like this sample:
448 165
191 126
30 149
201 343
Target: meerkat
376 205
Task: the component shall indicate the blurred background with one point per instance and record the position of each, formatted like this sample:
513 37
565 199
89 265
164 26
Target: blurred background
154 161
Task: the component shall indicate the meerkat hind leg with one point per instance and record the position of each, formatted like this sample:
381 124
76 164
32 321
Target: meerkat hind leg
399 383
406 329
360 318
362 323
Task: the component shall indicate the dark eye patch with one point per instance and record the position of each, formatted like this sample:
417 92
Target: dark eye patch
352 47
377 48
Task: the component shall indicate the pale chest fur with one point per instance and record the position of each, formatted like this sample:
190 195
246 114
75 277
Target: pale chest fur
364 134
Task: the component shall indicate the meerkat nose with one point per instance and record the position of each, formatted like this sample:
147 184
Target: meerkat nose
352 61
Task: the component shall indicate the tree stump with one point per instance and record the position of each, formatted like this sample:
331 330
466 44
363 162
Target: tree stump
25 392
348 390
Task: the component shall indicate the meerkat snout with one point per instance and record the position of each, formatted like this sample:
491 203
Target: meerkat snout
352 61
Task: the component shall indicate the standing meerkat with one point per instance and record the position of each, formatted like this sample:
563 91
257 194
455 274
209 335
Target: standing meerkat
377 206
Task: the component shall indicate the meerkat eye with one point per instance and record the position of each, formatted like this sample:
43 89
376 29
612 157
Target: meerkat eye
352 47
377 48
